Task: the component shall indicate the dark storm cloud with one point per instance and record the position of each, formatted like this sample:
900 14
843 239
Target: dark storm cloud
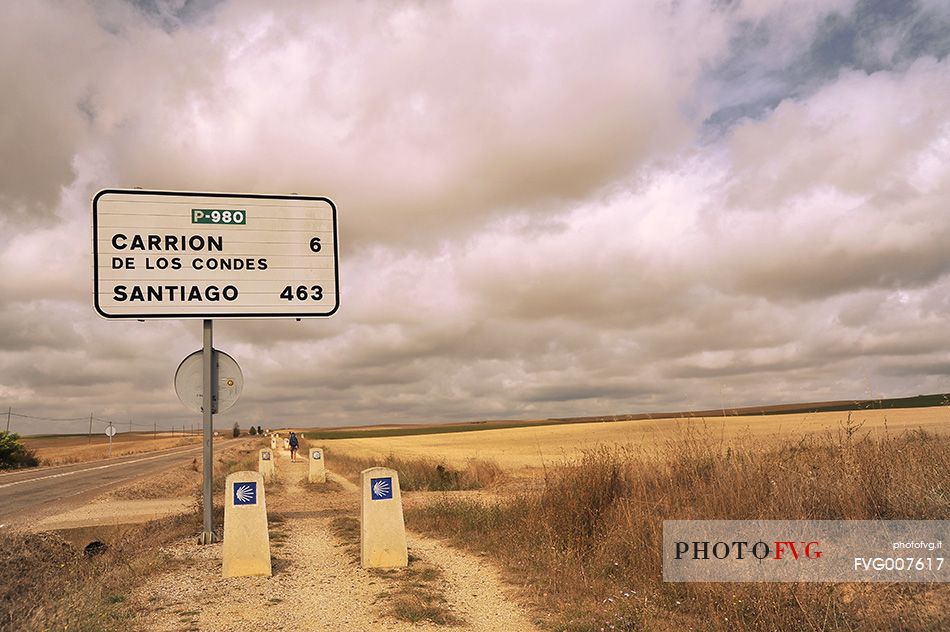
567 393
172 14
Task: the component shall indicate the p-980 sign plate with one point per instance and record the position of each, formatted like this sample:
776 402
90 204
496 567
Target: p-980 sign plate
164 254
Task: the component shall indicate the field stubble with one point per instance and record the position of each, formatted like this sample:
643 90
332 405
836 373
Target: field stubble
65 450
543 446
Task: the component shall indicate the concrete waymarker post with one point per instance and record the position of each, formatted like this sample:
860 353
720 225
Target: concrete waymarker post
246 549
273 443
382 529
318 467
286 444
265 465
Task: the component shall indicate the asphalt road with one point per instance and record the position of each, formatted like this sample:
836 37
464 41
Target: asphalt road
29 495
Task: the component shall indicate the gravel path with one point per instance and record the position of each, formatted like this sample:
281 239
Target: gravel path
317 582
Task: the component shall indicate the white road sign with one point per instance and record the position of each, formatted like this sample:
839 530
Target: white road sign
164 254
189 381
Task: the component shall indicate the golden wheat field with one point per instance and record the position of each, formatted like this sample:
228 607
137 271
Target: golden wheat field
59 450
536 447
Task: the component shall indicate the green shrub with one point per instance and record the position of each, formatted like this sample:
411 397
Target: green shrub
237 430
13 453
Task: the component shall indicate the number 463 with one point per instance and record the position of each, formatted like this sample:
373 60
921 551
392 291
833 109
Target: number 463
302 292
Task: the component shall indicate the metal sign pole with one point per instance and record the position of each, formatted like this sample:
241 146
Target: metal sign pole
207 408
110 439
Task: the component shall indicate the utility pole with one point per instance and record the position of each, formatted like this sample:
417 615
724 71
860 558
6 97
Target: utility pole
9 412
90 428
207 410
154 430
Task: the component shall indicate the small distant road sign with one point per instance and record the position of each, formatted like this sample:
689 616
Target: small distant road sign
381 488
166 254
110 431
245 493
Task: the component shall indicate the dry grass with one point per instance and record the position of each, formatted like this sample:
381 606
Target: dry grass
423 474
181 480
347 531
240 458
586 547
330 487
415 593
48 584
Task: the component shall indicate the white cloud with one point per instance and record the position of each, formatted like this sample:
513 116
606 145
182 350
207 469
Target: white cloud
534 221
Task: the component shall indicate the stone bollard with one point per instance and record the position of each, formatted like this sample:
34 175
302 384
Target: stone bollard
318 467
382 530
273 443
286 444
246 549
265 465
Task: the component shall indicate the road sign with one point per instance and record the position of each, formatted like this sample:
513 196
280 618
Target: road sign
189 382
110 431
164 254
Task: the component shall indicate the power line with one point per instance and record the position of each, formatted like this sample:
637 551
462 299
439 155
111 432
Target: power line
46 418
43 419
116 423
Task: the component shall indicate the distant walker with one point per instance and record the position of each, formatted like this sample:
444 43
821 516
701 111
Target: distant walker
293 443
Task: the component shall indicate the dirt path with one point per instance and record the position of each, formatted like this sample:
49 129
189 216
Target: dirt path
317 583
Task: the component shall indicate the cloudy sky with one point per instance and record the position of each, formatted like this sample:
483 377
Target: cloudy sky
546 209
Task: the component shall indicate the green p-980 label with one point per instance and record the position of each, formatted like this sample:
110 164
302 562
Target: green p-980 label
217 216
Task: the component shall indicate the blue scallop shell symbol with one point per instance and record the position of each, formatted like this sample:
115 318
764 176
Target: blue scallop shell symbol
245 493
381 488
